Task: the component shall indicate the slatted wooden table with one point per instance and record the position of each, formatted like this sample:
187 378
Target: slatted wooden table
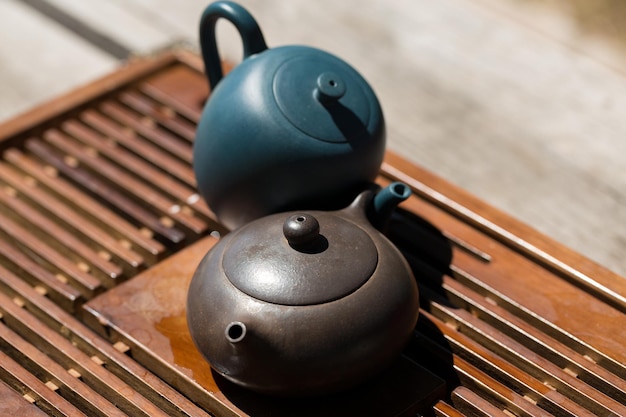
101 227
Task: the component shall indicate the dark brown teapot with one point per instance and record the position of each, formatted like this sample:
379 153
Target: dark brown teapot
305 302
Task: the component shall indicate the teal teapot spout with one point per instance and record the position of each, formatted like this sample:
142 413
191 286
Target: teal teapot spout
289 127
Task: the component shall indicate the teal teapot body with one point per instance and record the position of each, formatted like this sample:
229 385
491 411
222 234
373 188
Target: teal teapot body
289 127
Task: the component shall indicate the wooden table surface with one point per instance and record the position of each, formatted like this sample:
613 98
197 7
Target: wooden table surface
521 103
101 227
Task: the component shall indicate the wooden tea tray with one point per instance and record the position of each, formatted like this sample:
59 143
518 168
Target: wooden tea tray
101 228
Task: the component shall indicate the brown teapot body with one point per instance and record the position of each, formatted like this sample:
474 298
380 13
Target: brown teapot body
303 302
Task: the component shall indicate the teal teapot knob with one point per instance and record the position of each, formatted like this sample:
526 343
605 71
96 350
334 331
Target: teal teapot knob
289 127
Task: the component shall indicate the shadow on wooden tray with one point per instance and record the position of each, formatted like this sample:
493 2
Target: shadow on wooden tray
429 253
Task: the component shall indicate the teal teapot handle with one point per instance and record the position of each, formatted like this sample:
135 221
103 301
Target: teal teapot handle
251 36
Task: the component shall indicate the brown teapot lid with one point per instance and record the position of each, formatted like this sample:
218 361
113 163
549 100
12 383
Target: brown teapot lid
300 259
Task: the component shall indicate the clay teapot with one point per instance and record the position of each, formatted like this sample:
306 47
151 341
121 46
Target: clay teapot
288 127
305 302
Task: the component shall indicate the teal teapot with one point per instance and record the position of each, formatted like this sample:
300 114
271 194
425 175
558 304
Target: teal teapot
288 128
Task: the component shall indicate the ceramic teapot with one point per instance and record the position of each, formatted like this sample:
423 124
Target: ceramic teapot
305 302
288 127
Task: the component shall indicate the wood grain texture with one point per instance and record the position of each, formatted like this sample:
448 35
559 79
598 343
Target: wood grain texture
40 364
34 390
118 227
98 349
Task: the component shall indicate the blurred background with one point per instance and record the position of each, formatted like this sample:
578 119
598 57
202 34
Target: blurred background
521 102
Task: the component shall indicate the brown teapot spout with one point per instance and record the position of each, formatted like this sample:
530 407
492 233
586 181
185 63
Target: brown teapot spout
235 332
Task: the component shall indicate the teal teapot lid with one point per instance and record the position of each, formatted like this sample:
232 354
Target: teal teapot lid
322 97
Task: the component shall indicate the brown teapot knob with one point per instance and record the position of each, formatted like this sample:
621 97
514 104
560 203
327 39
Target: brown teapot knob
301 229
